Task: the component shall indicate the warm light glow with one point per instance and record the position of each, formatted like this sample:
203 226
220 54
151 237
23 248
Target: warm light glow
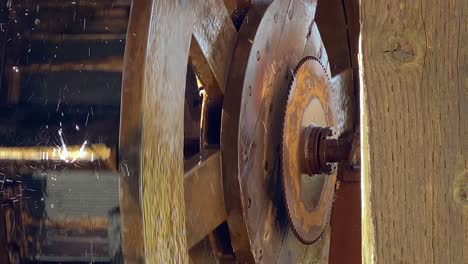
199 83
68 154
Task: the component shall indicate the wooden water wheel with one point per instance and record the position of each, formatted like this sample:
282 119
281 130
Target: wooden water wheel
203 96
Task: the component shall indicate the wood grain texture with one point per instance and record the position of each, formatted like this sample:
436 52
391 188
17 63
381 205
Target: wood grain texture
162 132
204 201
151 133
151 141
414 131
215 37
130 132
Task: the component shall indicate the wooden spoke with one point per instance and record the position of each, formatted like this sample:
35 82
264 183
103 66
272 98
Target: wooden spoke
213 43
204 198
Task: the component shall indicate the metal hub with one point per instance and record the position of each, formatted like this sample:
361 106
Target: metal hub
322 150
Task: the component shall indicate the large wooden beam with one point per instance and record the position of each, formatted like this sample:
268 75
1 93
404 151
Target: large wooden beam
414 131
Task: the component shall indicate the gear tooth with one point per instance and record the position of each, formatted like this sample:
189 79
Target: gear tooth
290 218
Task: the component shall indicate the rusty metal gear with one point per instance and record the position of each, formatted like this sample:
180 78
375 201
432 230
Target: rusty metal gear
308 196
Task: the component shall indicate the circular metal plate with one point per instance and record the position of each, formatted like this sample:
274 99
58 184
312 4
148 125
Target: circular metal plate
308 103
271 42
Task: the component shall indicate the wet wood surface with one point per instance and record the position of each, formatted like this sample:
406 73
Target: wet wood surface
161 108
162 132
414 131
213 44
204 201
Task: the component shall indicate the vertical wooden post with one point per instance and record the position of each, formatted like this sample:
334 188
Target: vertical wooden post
414 131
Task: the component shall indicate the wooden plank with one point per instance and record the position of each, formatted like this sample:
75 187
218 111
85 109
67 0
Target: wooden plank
111 64
345 246
82 224
78 3
215 37
414 131
203 253
204 197
331 22
57 38
352 19
67 239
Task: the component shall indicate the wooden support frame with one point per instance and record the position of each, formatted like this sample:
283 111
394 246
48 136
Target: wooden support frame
213 44
204 197
110 64
414 131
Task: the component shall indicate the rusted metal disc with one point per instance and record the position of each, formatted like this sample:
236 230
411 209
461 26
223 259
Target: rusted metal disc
271 42
308 104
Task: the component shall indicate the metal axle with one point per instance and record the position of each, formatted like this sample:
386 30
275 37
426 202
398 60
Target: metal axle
321 152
